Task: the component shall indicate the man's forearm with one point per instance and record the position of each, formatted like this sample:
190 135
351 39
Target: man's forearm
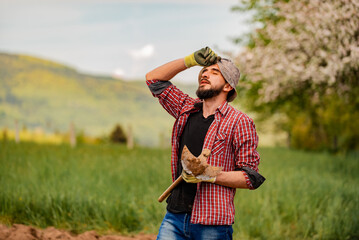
233 179
167 71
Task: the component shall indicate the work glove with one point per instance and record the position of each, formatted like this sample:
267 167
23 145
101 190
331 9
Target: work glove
203 57
189 178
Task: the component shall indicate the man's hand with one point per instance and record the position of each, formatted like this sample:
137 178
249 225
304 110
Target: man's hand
192 179
203 57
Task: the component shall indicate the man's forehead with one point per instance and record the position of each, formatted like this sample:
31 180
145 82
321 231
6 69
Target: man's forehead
213 67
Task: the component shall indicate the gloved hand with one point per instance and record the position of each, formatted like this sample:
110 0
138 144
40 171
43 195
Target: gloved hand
203 57
192 179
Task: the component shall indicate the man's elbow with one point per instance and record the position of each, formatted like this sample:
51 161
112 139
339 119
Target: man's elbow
149 76
253 178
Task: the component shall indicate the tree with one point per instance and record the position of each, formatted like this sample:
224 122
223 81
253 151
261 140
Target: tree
118 135
304 63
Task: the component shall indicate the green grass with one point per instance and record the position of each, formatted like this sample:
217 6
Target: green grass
90 187
305 196
109 188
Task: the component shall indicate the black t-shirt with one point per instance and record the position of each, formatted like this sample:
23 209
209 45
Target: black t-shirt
195 130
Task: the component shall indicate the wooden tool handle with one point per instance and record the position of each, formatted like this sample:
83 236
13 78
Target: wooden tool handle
166 193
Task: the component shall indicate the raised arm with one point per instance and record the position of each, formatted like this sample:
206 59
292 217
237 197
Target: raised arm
167 71
202 57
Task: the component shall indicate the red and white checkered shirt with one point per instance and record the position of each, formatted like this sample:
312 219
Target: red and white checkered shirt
232 139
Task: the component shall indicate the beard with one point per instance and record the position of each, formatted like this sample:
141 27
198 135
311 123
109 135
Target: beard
208 93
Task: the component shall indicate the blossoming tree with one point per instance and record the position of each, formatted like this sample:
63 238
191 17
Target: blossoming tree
303 62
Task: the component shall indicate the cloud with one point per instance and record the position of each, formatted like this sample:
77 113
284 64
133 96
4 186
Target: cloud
118 73
145 52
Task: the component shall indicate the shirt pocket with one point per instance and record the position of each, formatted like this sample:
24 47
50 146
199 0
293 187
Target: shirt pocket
219 144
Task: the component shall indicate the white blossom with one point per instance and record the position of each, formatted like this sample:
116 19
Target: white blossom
317 42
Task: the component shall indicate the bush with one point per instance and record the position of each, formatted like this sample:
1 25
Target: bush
118 135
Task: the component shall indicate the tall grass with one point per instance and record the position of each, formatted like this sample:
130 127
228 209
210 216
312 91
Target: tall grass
110 188
89 187
305 196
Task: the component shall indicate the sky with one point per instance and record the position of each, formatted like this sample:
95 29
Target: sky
125 39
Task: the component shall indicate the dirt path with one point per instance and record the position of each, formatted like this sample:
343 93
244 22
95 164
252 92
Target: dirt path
22 232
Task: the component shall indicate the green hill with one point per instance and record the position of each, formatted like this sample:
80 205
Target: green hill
41 93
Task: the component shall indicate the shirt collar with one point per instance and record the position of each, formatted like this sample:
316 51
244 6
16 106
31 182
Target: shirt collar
222 109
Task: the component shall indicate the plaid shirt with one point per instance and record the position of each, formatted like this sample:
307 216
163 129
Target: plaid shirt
232 139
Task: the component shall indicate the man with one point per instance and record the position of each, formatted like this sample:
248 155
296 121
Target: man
199 209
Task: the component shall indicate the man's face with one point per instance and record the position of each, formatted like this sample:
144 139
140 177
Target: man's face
211 82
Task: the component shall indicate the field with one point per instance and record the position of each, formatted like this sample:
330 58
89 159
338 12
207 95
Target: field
108 188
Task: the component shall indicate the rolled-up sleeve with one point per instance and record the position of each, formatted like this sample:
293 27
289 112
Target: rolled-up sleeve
157 87
169 96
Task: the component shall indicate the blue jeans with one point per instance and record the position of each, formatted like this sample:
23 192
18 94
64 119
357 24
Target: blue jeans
177 227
